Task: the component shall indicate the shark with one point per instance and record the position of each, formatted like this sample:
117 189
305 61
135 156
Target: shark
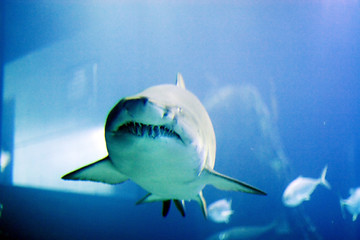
163 140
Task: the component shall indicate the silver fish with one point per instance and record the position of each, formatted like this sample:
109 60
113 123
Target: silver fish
352 203
301 188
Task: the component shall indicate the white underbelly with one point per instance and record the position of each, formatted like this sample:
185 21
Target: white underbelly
164 167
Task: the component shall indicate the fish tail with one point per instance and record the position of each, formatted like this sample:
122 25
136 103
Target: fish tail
323 181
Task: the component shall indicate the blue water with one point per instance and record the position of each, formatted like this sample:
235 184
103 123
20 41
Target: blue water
280 81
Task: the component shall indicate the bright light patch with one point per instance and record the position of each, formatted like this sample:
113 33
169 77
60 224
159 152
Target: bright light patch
42 163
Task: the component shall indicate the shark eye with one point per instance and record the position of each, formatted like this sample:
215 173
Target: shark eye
171 112
168 114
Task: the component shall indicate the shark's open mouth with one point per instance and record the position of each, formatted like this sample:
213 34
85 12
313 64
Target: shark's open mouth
153 131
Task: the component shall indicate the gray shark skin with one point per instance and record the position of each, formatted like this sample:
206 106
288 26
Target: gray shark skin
163 140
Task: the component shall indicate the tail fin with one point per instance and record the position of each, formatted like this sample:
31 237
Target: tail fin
323 180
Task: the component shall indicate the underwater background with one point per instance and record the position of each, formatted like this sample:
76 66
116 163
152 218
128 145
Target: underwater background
279 79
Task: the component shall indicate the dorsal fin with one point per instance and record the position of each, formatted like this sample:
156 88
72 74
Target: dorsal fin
180 81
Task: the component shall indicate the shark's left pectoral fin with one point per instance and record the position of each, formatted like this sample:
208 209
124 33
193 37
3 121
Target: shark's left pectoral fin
100 171
224 182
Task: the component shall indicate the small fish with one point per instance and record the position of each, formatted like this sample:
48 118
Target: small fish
352 203
220 211
301 188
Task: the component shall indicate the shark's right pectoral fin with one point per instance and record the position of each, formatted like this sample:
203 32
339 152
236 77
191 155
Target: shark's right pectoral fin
226 183
100 171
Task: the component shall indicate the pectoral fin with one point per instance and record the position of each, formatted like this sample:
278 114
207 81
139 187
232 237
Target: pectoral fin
100 171
223 182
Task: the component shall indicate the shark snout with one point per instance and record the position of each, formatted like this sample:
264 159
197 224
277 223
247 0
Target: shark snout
140 110
143 110
135 105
